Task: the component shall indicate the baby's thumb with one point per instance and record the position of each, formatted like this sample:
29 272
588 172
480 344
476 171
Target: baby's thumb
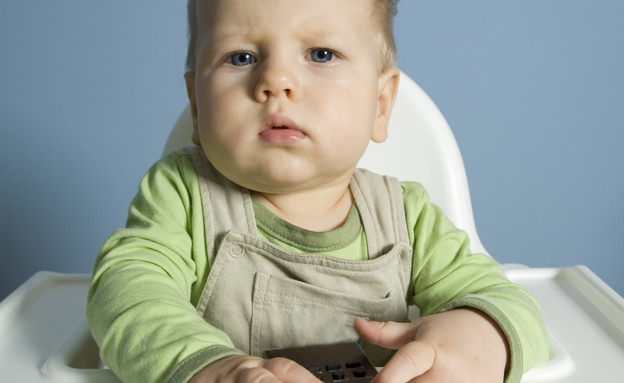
392 335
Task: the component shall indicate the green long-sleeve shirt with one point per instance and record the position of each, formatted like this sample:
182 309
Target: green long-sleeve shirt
149 276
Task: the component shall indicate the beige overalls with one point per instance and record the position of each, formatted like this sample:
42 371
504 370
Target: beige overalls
264 297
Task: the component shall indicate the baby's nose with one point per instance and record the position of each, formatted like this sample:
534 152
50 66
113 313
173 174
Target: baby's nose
277 79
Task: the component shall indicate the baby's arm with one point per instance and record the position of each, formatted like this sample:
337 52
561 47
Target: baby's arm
447 279
461 345
148 276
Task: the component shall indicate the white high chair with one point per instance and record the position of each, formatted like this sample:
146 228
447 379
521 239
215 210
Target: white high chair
44 336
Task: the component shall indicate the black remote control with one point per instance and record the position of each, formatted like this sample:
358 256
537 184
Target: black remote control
339 362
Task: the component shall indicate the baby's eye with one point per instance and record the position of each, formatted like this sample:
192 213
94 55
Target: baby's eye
241 59
321 55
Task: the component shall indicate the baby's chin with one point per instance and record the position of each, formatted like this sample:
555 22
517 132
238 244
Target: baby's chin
282 186
289 176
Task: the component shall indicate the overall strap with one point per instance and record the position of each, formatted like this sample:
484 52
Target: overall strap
227 206
379 200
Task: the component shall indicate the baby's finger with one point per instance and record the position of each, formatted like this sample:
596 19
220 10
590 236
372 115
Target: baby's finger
288 371
391 335
255 374
410 361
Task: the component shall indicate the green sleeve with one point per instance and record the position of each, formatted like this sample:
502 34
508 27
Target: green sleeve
445 275
148 276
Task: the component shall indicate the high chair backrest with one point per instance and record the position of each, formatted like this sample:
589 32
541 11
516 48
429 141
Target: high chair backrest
420 147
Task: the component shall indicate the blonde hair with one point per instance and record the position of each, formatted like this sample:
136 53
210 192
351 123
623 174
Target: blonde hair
383 10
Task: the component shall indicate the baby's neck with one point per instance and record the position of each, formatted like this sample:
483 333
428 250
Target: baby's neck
319 210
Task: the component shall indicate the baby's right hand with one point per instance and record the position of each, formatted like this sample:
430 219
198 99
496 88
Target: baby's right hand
243 369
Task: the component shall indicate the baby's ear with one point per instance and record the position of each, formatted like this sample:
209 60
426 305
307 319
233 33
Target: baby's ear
189 77
388 85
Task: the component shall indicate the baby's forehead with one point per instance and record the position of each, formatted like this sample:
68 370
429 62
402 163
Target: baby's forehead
211 11
228 16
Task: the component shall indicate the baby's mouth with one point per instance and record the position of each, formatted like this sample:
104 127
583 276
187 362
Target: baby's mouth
279 121
281 131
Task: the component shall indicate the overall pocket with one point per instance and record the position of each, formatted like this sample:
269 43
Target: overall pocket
289 313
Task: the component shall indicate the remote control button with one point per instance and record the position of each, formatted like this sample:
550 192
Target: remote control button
313 368
353 364
338 375
332 366
359 372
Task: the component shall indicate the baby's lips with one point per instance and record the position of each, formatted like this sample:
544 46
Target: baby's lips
282 136
280 121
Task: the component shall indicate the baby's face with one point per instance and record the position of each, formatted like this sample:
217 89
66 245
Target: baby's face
288 93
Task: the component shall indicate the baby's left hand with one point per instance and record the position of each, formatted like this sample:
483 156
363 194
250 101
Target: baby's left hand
462 345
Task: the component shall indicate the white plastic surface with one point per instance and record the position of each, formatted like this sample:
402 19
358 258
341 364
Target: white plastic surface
44 336
420 147
43 333
585 320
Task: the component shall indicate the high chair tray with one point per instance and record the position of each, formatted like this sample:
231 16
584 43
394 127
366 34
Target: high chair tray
585 321
44 336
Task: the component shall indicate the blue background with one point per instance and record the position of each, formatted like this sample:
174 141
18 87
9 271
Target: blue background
532 89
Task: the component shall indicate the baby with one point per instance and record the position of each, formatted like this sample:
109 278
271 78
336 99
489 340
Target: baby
265 235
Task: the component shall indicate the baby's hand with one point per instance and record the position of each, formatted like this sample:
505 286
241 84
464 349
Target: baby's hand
242 369
462 345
